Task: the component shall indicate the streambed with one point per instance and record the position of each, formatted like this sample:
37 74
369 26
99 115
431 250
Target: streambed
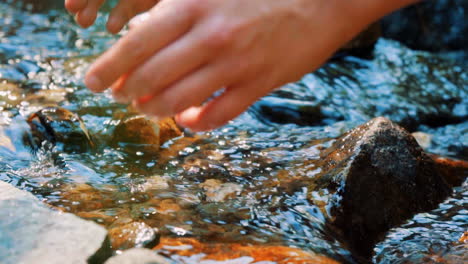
234 185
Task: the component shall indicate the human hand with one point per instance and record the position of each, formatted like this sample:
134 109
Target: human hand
85 11
186 50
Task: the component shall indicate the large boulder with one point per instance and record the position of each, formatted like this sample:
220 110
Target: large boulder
30 232
378 176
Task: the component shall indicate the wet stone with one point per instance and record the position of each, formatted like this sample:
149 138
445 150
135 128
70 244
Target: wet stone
423 139
139 256
190 249
438 236
152 183
83 197
10 94
379 176
30 232
59 127
143 131
135 234
217 191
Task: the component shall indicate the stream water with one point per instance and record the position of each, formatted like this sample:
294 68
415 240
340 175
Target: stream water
251 161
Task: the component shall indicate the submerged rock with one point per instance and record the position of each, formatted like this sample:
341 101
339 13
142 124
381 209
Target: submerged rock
30 232
139 256
137 129
378 177
205 252
135 234
217 191
59 127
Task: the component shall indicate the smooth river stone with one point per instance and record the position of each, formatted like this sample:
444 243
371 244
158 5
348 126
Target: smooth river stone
31 232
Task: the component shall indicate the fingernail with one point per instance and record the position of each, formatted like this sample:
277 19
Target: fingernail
93 83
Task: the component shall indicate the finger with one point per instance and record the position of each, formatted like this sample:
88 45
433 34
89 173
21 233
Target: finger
87 16
191 91
219 111
137 20
74 6
124 11
166 24
169 65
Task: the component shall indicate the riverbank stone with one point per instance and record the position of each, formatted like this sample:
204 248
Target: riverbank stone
378 176
31 232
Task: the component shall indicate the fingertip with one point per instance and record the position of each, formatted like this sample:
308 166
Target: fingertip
74 6
93 83
85 18
191 118
114 24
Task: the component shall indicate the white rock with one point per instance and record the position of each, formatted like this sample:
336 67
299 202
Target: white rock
31 232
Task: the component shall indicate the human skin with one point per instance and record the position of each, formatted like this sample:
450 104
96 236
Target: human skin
170 63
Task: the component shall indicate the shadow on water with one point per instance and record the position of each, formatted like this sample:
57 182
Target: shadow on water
237 184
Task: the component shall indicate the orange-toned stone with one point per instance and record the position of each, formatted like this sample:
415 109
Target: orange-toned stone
454 171
227 251
166 206
168 129
464 238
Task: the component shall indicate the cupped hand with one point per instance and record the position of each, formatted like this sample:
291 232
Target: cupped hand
187 50
86 11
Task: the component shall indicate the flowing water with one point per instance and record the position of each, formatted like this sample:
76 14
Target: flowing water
237 184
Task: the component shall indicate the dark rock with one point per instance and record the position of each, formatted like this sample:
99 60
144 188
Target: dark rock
363 44
454 171
30 232
283 111
437 236
379 176
430 25
59 127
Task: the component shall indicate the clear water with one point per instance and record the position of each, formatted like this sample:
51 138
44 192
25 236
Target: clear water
256 159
